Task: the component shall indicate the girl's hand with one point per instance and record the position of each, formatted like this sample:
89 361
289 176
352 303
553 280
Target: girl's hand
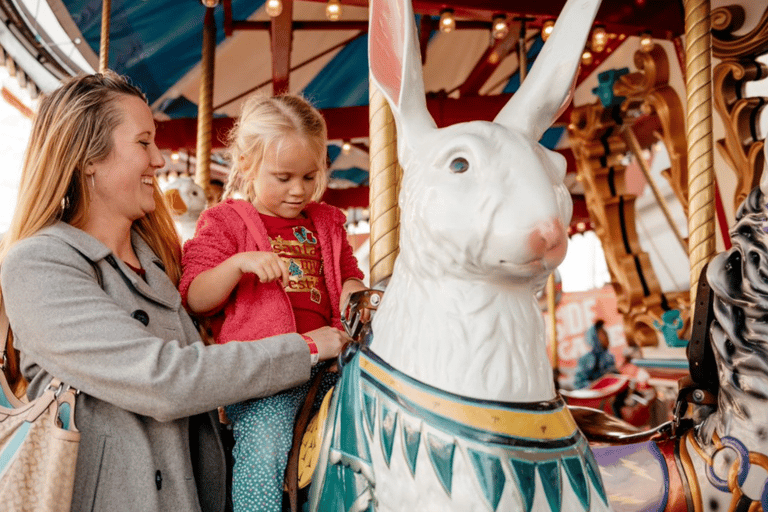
267 266
348 288
329 341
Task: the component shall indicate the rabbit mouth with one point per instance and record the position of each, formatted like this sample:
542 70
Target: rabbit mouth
544 262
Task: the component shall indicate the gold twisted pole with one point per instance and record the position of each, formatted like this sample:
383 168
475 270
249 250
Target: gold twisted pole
384 181
204 106
106 11
551 308
701 174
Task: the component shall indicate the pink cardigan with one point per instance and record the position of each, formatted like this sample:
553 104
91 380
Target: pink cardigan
259 310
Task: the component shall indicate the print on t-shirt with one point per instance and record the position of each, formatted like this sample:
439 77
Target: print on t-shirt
295 241
304 265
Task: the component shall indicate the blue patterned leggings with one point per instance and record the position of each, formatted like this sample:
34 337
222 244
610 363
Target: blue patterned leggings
263 432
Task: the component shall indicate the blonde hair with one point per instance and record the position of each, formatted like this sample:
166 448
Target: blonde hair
264 123
73 128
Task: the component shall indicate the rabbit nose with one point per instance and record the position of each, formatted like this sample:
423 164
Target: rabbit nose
546 237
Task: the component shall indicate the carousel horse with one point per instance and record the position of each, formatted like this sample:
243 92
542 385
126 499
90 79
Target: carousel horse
712 456
451 403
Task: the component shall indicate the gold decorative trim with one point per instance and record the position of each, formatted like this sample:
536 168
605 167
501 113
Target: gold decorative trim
690 470
599 144
726 45
740 148
550 424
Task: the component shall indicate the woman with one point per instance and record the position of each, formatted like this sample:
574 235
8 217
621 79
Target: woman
88 272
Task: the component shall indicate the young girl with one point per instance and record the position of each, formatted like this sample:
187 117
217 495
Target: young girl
274 262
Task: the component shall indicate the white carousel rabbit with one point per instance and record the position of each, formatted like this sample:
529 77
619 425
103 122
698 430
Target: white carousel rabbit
456 389
483 217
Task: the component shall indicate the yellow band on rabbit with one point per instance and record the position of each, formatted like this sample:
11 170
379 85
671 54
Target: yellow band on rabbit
499 418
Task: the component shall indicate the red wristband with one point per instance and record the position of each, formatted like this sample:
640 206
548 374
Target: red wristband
313 353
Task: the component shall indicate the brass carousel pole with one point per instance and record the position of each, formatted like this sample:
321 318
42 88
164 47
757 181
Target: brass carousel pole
205 105
106 10
701 174
384 181
551 306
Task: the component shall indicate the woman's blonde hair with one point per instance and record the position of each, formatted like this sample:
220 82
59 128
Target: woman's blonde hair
264 123
73 128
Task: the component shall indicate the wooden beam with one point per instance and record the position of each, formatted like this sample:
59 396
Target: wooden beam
281 40
343 123
663 18
303 25
488 62
228 24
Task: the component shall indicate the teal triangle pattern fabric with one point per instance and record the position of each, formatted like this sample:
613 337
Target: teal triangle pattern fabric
489 474
594 475
411 440
525 474
549 473
441 455
369 408
578 480
387 432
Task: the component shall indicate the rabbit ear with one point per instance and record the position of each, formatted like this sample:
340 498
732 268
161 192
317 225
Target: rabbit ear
546 91
395 63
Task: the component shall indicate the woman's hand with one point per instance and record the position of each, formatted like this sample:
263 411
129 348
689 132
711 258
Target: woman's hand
267 266
329 341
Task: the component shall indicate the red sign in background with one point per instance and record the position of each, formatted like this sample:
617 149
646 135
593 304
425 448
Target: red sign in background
575 313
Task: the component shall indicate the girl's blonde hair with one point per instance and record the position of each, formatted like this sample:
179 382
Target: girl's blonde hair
73 128
264 123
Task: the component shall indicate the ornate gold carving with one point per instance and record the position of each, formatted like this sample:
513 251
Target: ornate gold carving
599 144
727 46
740 148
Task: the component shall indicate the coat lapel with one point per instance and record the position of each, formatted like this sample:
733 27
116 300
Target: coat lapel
157 288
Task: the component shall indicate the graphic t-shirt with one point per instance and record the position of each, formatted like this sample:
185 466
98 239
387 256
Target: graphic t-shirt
295 242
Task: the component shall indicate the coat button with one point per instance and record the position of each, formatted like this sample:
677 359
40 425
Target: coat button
159 479
141 316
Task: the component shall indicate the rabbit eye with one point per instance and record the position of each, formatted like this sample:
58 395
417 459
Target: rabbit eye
459 165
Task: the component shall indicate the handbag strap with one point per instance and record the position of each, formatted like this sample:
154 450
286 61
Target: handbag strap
5 329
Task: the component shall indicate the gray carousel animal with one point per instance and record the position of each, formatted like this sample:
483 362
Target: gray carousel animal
712 456
452 404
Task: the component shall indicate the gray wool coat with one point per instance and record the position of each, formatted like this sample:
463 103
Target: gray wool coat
147 384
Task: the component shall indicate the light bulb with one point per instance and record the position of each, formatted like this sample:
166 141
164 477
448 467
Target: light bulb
175 156
500 28
646 41
210 3
586 58
599 39
274 8
447 21
333 10
346 147
546 29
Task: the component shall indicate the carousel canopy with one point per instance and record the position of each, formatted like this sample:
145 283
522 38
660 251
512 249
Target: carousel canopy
470 72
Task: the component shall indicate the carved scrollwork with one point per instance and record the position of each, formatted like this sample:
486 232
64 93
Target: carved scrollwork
599 144
726 45
742 149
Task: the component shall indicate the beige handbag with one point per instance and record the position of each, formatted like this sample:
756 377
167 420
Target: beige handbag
38 445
